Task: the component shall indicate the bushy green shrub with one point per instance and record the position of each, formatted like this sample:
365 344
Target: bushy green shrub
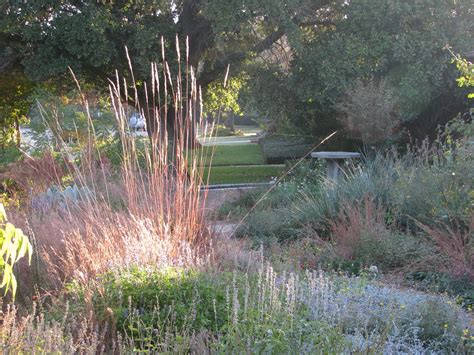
279 148
9 155
392 251
185 300
223 131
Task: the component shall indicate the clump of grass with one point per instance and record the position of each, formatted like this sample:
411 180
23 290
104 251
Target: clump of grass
361 234
33 333
455 245
150 211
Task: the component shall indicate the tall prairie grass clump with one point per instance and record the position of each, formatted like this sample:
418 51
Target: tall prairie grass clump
148 212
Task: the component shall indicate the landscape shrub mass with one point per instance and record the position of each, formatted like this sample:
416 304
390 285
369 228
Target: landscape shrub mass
126 255
264 311
410 212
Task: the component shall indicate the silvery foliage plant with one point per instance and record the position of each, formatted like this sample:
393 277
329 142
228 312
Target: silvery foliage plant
373 315
57 198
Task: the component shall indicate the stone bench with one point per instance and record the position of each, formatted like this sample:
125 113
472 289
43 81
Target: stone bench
333 161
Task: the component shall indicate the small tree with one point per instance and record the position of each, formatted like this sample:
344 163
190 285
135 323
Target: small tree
14 245
466 68
368 111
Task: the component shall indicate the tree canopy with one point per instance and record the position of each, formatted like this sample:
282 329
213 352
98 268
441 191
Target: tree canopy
300 56
401 42
44 38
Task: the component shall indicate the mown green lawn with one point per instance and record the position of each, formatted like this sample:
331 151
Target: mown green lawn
237 164
242 174
233 154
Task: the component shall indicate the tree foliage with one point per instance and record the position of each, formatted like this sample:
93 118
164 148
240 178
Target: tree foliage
15 91
399 41
222 98
466 79
327 45
46 37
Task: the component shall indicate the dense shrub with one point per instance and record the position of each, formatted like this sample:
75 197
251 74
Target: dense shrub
368 111
390 251
188 300
279 148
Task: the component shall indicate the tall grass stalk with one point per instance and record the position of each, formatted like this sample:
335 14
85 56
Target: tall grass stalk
160 218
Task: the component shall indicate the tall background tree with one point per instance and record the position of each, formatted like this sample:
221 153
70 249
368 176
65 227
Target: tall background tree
44 38
400 42
300 56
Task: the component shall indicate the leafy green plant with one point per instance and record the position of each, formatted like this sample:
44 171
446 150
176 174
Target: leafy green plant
466 69
9 155
14 245
186 299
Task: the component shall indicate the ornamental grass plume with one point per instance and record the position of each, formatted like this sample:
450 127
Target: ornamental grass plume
150 211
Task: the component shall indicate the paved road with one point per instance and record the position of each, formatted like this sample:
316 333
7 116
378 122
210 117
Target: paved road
225 140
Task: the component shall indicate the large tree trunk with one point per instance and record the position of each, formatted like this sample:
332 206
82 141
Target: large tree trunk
194 26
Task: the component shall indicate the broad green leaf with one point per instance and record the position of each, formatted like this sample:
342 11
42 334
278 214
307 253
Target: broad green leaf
14 245
3 214
7 272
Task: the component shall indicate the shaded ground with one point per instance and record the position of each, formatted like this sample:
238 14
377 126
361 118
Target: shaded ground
215 198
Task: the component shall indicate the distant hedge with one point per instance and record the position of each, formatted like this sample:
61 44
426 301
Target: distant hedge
278 148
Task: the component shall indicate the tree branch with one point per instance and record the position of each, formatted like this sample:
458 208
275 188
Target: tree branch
236 58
